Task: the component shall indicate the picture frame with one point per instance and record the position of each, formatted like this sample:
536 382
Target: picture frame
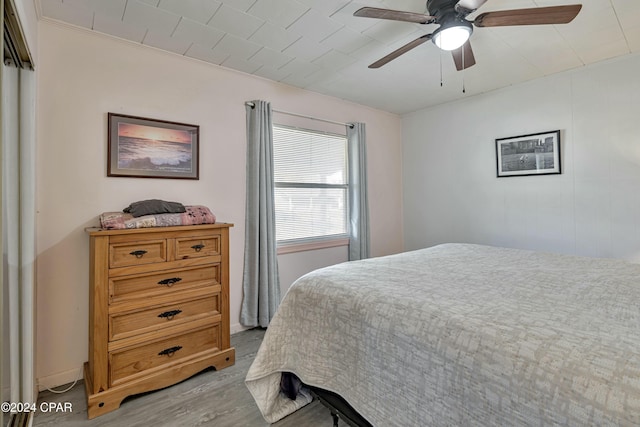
148 148
526 155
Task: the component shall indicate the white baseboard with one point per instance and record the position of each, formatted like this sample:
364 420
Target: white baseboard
61 378
237 327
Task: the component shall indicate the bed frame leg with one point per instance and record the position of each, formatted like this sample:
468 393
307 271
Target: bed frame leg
335 419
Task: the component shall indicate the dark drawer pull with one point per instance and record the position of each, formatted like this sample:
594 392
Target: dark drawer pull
138 254
169 315
170 351
169 282
198 247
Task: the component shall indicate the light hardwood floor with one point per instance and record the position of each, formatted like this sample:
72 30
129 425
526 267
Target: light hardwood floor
208 399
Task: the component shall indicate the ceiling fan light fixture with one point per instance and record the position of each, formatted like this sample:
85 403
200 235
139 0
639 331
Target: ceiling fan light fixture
453 36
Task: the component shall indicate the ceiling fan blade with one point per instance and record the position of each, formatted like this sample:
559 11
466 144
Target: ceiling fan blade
404 49
394 15
470 5
463 56
534 16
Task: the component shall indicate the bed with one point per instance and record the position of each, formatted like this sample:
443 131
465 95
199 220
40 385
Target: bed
461 334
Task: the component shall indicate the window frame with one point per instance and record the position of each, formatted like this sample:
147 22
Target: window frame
325 241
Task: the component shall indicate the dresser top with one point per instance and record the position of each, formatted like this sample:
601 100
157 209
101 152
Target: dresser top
97 231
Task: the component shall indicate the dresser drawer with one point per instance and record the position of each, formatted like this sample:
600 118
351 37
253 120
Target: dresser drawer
123 325
164 283
137 253
125 364
194 247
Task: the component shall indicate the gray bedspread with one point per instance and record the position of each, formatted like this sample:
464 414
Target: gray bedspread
462 335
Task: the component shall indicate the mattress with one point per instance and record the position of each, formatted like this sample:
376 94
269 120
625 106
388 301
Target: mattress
461 334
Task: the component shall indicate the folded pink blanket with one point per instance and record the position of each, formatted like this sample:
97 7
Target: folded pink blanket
193 215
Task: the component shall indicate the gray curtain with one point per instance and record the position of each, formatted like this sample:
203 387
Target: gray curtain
358 198
260 281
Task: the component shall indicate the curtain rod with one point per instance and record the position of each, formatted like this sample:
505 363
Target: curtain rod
252 105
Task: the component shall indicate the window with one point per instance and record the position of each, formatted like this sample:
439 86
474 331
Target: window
310 173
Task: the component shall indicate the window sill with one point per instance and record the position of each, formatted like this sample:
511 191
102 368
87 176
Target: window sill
312 246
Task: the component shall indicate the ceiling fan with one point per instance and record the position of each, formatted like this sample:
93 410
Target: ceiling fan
455 30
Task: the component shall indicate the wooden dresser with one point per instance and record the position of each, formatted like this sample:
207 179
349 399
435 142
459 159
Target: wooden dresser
158 309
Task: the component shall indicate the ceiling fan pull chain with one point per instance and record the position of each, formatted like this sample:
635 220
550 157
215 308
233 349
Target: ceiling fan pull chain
463 71
440 68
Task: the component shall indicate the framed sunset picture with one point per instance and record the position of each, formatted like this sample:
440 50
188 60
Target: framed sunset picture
148 148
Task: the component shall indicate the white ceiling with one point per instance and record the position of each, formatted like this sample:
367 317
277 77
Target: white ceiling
319 45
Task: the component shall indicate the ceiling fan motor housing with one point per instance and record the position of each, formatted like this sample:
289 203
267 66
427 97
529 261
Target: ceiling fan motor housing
443 10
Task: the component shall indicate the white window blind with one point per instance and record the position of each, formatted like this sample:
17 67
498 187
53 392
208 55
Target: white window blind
310 173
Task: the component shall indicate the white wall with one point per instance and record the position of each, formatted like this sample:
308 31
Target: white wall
294 265
451 193
82 77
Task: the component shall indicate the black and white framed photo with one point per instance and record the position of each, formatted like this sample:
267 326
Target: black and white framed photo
534 154
149 148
